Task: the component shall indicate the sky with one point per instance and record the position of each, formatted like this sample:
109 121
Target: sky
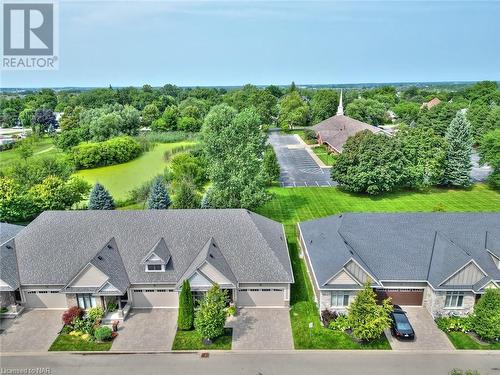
204 43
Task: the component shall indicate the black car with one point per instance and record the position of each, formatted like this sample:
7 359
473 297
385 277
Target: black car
400 325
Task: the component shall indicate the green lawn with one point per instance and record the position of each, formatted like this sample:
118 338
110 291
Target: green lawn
42 147
191 340
65 342
292 205
324 155
463 341
121 178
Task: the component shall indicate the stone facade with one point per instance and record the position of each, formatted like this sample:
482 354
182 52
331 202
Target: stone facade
434 302
325 301
7 299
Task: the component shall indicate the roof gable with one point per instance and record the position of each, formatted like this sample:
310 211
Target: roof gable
197 280
8 266
342 278
469 274
159 254
89 277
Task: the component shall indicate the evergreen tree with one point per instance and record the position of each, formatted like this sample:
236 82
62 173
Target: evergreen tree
186 196
100 199
486 318
185 318
458 153
158 196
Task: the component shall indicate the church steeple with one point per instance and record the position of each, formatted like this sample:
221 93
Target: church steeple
340 109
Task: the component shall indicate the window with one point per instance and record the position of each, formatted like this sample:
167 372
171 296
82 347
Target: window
454 300
340 299
86 301
154 267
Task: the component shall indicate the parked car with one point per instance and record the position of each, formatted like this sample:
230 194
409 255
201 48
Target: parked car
400 325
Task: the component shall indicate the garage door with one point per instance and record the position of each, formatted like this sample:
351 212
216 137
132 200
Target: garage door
51 299
148 298
407 297
261 297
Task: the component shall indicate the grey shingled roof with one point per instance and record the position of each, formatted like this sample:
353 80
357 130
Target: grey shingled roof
8 231
211 254
57 244
160 249
8 266
336 129
403 246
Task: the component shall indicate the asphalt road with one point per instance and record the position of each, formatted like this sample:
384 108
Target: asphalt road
266 363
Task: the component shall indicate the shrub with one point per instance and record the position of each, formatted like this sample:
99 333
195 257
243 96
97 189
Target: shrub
231 311
455 323
95 313
97 154
327 316
103 333
71 314
341 323
86 337
487 315
211 316
84 325
366 318
186 308
111 305
310 135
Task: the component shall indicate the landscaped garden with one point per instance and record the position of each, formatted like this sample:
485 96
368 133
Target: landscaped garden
119 179
83 331
292 205
203 327
478 330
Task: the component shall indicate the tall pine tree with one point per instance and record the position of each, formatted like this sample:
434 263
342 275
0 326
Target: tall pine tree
100 199
186 308
158 196
458 153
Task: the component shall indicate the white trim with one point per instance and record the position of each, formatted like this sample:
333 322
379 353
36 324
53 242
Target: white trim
369 273
162 267
86 286
461 268
348 273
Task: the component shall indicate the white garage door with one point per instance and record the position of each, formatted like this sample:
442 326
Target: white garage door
51 299
261 297
148 298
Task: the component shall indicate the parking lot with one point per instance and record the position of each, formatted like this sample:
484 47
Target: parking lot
297 166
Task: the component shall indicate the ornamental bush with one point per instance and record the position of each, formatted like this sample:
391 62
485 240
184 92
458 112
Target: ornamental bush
455 323
186 308
103 333
95 313
487 315
70 314
97 154
366 318
211 316
341 323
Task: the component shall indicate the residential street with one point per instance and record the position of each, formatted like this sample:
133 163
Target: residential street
299 363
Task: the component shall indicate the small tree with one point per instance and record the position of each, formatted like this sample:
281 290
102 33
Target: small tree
100 199
271 168
158 196
367 319
210 318
185 318
186 196
487 315
458 153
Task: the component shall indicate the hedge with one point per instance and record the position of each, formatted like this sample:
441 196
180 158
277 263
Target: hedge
98 154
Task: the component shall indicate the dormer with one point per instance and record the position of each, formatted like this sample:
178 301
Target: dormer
157 258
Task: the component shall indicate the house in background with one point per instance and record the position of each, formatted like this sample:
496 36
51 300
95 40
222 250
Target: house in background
430 104
443 261
138 259
334 131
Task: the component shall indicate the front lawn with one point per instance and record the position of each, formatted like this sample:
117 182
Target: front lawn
191 340
325 156
461 340
292 205
65 342
121 178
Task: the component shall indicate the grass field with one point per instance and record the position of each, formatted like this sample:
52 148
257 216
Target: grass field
42 147
65 342
121 178
291 205
191 340
462 340
325 157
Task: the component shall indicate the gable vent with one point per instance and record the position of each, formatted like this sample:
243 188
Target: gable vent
110 247
99 257
211 256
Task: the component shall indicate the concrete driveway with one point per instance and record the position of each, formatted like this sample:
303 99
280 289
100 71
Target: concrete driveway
147 330
428 335
33 331
298 165
261 329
